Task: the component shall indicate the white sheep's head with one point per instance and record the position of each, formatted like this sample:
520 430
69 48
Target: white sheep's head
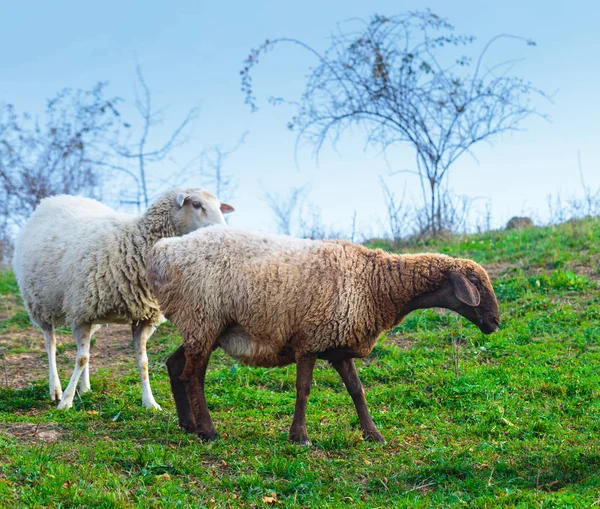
197 208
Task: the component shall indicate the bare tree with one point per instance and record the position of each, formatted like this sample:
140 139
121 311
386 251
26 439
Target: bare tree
353 227
55 153
483 222
589 205
396 78
52 154
310 223
397 212
212 168
296 215
564 209
285 208
135 154
79 141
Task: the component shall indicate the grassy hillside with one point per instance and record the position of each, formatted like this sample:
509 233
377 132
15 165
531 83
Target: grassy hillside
511 419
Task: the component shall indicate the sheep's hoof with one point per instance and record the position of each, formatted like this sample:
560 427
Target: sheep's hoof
208 436
55 395
189 426
151 404
300 439
65 405
374 436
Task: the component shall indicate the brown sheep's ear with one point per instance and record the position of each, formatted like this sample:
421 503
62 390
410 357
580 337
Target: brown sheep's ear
226 209
464 290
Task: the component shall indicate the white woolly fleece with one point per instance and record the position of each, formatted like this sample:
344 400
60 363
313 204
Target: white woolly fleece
79 262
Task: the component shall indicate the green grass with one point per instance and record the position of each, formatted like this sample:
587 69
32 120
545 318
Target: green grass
8 283
518 427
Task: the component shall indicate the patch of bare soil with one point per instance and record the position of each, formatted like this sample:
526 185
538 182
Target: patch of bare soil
9 305
495 270
592 272
26 432
404 342
112 348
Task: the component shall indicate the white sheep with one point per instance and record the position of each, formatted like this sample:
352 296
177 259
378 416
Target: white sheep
273 300
79 262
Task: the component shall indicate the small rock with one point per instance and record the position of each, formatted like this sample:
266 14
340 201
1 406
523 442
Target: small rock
516 223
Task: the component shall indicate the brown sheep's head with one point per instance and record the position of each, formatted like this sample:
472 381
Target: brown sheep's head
467 290
472 296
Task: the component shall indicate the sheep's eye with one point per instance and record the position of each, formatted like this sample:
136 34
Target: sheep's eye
197 205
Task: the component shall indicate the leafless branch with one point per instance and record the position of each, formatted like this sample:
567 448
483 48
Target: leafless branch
392 77
53 154
211 162
284 208
138 151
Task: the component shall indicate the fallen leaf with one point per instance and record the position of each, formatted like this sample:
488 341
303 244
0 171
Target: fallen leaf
271 499
164 477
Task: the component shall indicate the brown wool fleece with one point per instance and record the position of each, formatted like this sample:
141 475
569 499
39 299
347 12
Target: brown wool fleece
264 298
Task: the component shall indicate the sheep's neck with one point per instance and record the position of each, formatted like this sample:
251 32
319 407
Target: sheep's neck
142 234
402 279
155 224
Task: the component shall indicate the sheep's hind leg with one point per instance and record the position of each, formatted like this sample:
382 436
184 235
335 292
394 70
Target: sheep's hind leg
305 364
84 381
53 379
175 365
141 332
347 371
82 337
193 377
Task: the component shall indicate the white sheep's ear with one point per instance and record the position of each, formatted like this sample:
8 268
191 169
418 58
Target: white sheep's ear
464 290
182 198
226 209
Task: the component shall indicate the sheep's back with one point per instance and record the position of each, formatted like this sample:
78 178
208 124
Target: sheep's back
274 287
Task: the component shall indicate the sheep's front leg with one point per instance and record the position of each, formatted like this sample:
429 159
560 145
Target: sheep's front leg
141 332
193 377
175 366
347 371
305 364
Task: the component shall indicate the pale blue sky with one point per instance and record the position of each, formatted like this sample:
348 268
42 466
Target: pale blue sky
191 53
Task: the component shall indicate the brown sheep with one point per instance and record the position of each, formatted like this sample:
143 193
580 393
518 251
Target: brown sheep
273 301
